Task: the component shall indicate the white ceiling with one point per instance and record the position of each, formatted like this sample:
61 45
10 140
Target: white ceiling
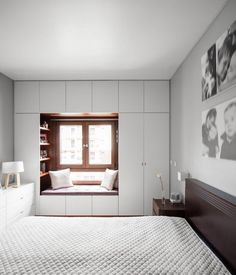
100 39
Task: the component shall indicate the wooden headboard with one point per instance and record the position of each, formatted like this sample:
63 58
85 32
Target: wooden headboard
212 213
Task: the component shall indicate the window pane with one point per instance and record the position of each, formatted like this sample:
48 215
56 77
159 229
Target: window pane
71 144
100 144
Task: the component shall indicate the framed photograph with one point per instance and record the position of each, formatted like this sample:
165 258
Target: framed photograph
219 131
208 67
43 138
226 58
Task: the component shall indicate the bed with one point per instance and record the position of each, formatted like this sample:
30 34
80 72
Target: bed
118 245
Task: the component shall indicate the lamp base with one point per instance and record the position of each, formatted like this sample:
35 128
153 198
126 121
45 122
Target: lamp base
7 178
16 184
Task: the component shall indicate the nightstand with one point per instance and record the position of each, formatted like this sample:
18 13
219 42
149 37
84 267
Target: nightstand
169 209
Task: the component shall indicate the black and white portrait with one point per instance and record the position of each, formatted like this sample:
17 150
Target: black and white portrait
208 65
226 58
219 131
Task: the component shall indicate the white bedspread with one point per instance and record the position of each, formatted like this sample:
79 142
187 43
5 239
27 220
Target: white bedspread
142 245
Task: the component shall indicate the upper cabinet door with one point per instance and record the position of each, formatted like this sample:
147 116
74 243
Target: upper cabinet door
130 96
105 96
26 96
78 96
52 96
156 96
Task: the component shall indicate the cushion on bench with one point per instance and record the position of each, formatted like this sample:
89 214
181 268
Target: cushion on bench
81 190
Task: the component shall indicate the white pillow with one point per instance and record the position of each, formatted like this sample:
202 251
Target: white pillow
60 179
109 179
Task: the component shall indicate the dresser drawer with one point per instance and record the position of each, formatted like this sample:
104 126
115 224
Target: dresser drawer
3 198
79 205
15 210
2 218
105 205
14 195
52 205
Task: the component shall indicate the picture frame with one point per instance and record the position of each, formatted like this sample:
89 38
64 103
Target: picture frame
43 138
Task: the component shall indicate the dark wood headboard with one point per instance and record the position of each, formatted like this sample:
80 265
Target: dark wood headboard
212 213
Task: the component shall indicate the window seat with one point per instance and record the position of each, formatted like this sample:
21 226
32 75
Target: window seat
81 190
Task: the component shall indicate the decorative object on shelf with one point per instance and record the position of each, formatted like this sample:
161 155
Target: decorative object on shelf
175 197
43 167
162 188
15 168
43 138
43 154
45 125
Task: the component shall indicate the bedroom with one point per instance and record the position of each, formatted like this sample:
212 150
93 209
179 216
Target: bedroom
76 60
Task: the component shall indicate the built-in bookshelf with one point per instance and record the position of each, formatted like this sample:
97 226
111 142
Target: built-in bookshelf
44 149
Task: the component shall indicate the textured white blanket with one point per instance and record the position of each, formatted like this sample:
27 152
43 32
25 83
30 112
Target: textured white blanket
143 245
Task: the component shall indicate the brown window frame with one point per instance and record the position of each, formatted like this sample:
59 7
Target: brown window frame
85 165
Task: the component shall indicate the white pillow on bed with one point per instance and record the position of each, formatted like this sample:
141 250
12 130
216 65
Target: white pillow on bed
60 179
109 179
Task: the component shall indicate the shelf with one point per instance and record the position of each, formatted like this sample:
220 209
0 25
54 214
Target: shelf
44 159
44 144
44 174
44 129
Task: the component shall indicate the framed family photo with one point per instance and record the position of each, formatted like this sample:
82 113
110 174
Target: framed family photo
218 64
208 64
226 58
219 131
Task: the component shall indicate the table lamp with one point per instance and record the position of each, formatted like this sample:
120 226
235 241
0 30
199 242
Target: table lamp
15 168
162 188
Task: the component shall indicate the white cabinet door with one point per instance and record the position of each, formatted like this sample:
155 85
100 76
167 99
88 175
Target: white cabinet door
78 96
105 96
52 96
105 205
52 205
26 147
156 96
130 164
156 157
79 205
131 96
26 96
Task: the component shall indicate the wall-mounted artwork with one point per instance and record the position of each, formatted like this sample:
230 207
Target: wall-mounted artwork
208 63
226 58
219 131
218 64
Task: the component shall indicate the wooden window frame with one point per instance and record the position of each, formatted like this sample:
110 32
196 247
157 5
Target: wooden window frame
85 165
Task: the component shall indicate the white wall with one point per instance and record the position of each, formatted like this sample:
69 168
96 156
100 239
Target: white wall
6 119
186 108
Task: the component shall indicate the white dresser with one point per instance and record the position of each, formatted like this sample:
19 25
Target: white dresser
16 203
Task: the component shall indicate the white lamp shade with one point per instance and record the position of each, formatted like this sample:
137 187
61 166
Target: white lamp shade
12 167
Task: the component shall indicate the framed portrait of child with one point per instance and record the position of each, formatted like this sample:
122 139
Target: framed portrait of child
226 58
219 131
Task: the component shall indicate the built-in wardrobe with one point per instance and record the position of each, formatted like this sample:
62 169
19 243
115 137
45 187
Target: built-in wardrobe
143 145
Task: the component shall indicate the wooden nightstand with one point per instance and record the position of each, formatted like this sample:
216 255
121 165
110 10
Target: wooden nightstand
169 209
